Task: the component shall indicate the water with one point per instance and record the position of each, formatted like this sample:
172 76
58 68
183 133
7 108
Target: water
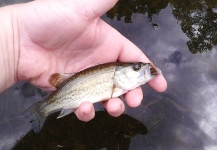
180 38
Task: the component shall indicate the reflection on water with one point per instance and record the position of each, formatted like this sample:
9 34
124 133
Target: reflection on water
198 19
182 118
68 132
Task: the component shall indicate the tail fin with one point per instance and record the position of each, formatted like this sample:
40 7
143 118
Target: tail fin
35 117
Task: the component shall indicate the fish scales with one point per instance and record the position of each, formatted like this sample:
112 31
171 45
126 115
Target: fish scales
93 84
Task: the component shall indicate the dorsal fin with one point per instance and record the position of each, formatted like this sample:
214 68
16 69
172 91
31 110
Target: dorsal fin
57 78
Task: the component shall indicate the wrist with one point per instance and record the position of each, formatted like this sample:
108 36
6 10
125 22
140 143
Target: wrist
9 47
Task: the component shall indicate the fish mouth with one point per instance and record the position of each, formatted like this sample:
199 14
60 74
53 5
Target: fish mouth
154 71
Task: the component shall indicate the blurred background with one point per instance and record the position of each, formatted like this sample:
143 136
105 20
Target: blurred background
180 37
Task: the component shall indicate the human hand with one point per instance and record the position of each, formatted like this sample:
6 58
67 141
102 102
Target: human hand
67 36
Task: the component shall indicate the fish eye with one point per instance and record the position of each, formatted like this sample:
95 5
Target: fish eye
136 67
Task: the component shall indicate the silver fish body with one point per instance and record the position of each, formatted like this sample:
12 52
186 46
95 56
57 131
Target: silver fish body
93 84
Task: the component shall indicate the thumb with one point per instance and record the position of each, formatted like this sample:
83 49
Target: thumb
96 8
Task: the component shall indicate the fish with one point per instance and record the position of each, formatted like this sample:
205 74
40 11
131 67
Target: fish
94 84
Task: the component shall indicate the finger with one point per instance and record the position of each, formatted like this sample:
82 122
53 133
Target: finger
159 83
131 53
85 112
134 97
115 107
102 6
96 8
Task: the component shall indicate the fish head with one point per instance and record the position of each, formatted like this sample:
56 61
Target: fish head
132 75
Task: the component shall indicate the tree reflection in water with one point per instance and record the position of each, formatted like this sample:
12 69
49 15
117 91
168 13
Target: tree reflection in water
198 18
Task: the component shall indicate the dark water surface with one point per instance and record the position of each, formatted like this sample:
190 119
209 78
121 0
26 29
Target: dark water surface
180 37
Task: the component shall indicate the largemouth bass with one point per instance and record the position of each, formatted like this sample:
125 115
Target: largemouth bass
93 84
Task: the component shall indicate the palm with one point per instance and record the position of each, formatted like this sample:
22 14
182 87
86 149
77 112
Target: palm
67 36
63 43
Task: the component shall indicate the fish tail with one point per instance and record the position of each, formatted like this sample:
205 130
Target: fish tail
35 117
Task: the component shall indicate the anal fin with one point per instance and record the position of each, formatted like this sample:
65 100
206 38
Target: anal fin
65 112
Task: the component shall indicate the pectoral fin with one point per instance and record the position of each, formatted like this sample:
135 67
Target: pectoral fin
65 112
56 79
113 89
117 90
